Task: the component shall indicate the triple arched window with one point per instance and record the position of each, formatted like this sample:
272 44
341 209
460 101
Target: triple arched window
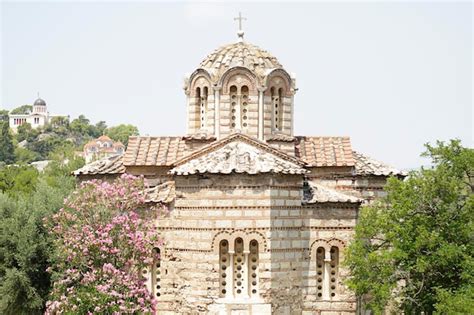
239 100
238 268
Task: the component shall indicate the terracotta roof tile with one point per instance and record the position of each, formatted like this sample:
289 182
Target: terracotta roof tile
365 165
154 151
325 151
108 165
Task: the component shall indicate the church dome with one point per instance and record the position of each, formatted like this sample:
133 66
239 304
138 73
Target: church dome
39 102
240 54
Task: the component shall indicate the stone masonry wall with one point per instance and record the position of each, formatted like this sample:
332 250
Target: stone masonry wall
263 208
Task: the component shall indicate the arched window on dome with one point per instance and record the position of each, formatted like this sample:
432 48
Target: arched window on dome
196 105
277 109
244 94
203 107
280 110
234 108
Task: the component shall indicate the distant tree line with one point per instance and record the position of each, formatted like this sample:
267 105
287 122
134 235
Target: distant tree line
34 144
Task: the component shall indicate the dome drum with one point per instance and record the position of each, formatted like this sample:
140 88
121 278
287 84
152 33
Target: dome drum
240 88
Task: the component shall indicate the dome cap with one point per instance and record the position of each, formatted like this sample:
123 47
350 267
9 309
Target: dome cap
39 102
240 54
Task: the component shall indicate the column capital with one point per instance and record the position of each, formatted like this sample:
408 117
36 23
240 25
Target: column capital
262 88
217 87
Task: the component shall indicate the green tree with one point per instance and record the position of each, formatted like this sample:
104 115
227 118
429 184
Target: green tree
7 150
25 244
3 115
99 129
122 132
26 132
414 249
25 156
80 125
15 180
22 110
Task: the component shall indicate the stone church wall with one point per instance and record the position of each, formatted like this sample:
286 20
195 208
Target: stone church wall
268 209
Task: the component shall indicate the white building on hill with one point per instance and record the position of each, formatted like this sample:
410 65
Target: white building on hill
37 118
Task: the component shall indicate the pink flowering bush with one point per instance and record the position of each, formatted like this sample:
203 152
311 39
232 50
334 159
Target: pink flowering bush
105 237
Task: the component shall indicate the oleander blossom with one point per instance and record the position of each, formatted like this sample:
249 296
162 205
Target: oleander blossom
105 236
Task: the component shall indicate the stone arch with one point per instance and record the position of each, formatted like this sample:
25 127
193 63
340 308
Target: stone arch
199 73
200 81
316 244
278 78
259 237
238 76
232 235
222 235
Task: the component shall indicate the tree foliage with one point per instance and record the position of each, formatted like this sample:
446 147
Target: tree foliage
7 149
22 110
414 249
27 197
122 132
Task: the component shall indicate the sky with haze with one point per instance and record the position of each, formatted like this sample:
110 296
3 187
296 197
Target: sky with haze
391 75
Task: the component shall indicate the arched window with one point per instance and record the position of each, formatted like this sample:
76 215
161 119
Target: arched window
203 108
238 269
234 108
197 102
153 274
277 110
327 272
244 92
280 110
334 270
319 272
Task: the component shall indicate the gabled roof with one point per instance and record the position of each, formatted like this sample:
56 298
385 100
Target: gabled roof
365 165
320 194
108 165
325 151
238 153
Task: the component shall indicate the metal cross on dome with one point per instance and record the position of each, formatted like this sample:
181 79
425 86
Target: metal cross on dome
240 32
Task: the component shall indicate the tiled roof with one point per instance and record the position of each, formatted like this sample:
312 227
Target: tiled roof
163 193
107 165
320 193
241 54
365 165
325 151
154 151
240 154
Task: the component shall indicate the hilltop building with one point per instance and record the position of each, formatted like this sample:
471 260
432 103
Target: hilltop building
37 118
259 218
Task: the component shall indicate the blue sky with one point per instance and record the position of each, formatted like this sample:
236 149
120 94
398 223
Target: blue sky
391 75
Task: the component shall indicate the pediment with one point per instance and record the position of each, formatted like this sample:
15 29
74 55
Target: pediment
238 154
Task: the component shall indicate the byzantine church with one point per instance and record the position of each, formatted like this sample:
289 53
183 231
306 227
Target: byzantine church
258 217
